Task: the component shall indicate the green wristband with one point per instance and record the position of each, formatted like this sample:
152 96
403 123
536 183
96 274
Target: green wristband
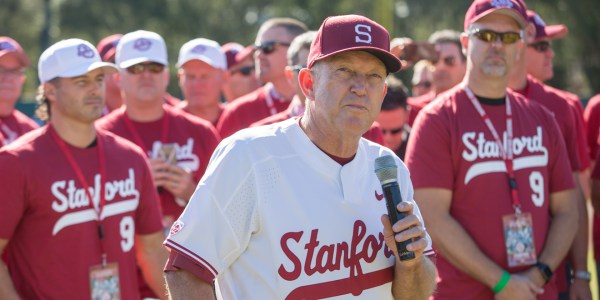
501 283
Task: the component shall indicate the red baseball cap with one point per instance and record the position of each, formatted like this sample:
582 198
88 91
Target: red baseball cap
107 47
515 9
353 33
9 46
235 53
546 31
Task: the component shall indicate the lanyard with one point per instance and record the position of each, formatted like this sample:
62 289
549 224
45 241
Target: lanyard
75 167
137 139
507 154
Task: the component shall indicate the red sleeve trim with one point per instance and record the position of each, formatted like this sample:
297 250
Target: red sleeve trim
179 261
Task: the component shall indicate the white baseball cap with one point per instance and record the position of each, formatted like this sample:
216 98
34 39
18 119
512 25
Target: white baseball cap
141 46
205 50
70 58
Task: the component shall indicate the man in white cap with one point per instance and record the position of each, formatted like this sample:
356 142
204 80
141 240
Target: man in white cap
291 210
491 172
179 145
78 205
202 72
13 62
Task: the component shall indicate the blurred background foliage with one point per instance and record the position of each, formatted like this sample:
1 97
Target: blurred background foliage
36 24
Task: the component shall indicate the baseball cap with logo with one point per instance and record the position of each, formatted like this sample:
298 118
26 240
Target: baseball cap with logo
205 50
108 46
141 46
543 31
70 58
480 8
9 46
352 33
235 53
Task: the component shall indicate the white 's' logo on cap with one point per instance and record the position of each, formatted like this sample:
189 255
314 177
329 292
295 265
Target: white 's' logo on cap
142 44
7 46
502 3
84 50
363 34
199 49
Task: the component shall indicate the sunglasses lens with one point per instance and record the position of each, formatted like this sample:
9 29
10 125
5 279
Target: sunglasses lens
510 37
487 36
152 67
266 47
246 70
541 47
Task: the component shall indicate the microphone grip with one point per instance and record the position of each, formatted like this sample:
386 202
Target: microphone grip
391 191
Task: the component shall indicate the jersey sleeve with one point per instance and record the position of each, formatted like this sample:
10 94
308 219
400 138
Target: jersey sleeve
216 225
428 154
13 185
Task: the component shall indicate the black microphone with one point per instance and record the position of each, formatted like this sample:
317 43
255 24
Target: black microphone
387 173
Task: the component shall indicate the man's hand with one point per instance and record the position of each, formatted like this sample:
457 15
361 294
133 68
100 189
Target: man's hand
409 228
520 286
580 290
174 179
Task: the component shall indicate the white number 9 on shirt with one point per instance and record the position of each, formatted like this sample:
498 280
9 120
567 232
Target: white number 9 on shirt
127 232
536 181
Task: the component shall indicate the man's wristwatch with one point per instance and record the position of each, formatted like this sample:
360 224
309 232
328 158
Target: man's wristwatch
583 275
544 270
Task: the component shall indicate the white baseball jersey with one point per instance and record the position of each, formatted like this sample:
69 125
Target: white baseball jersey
275 217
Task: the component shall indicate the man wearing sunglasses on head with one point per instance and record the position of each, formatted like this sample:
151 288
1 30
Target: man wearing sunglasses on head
449 68
491 172
574 139
202 73
241 78
272 42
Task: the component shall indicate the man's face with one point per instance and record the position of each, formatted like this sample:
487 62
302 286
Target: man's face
201 83
392 126
271 60
12 79
539 60
145 82
450 68
348 90
242 79
493 58
80 99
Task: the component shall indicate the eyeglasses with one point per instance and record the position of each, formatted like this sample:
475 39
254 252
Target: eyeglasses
392 131
490 36
140 68
425 84
245 70
541 46
448 60
11 72
297 68
269 47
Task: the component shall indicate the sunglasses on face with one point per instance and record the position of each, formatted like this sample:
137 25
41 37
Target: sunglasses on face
392 131
269 47
140 68
11 72
448 60
541 46
245 70
490 36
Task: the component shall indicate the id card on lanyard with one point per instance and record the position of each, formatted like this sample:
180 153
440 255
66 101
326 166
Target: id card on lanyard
517 227
104 278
